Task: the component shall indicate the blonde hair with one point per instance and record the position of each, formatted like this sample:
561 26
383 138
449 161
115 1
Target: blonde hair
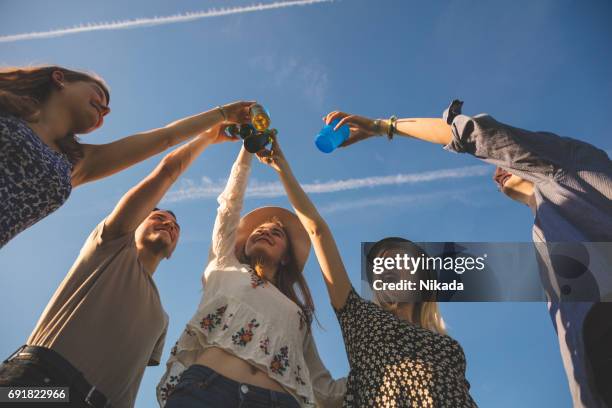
424 314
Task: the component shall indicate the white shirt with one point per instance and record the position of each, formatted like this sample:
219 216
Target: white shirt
249 317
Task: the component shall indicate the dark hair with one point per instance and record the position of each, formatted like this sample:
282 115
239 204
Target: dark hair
24 89
164 210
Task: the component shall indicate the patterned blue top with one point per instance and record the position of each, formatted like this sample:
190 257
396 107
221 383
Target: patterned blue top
35 180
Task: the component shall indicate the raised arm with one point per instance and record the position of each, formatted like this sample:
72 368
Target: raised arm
433 130
137 203
334 273
228 212
103 160
532 155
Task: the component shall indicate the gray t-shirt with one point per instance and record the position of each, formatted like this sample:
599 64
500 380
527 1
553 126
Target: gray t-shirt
106 318
573 192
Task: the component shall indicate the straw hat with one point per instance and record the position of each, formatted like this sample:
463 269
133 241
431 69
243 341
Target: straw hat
300 241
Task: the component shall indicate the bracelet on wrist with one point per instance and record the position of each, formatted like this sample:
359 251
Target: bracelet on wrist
222 111
391 130
381 127
378 127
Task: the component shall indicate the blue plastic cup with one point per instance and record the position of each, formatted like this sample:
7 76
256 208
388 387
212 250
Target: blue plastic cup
328 140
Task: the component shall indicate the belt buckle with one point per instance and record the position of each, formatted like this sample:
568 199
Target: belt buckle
88 400
88 396
91 403
16 353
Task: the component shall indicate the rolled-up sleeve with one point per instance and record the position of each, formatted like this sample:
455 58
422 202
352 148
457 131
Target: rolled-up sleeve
531 155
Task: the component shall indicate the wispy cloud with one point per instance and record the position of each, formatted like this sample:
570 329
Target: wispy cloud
307 77
151 21
209 189
395 200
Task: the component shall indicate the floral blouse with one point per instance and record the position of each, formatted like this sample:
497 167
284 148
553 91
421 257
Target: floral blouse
34 179
249 317
397 364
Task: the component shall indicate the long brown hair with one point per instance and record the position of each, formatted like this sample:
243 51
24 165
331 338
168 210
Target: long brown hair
288 277
23 90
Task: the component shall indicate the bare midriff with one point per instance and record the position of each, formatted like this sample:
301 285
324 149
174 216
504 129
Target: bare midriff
237 369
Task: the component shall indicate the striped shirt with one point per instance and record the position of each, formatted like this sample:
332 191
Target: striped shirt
573 190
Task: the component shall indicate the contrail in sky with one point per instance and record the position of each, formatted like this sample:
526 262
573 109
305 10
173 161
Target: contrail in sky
210 189
398 200
151 21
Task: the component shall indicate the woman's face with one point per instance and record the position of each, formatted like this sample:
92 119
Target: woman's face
397 275
405 281
268 241
86 103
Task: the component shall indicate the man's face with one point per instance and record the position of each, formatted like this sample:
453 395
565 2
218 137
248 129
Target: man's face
513 186
159 232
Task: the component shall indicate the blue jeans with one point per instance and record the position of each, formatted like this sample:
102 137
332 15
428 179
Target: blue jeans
202 387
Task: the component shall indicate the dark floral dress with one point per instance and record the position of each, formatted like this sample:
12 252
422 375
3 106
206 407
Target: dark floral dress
35 180
397 364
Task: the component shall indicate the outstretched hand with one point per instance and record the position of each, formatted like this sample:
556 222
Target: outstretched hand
273 157
238 112
361 127
216 134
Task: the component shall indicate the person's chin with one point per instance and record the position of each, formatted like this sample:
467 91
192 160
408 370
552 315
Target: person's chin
160 243
85 128
261 245
261 251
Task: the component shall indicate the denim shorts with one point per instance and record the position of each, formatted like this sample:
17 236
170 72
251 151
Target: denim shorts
202 387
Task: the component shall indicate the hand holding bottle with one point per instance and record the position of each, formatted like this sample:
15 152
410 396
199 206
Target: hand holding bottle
237 112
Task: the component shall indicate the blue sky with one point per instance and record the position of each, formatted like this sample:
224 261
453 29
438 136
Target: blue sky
539 65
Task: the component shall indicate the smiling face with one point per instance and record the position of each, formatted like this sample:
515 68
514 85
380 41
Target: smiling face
87 105
268 242
513 186
404 274
159 233
406 267
86 101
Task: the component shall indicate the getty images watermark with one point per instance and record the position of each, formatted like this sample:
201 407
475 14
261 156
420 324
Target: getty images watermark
400 263
397 270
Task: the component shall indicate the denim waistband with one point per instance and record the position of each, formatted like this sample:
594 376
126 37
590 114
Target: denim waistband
207 376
